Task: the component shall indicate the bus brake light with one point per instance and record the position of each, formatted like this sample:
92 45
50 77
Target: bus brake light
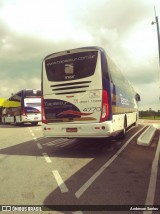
105 111
44 120
24 112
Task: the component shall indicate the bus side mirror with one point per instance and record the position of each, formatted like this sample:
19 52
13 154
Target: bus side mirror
138 98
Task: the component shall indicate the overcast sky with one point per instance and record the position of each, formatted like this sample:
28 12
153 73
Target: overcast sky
32 29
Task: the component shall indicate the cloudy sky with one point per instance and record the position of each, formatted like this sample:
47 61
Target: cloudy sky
32 29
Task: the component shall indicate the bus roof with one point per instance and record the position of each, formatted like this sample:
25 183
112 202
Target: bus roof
2 101
67 51
25 90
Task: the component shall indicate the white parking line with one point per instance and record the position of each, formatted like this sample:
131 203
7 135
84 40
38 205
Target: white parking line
60 182
34 138
153 179
47 158
78 212
33 135
80 192
39 146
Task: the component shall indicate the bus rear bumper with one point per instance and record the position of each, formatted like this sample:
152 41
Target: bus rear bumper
96 130
31 118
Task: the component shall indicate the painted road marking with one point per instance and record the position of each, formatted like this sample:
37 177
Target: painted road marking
153 179
39 146
80 192
35 138
78 212
31 131
60 182
47 158
33 135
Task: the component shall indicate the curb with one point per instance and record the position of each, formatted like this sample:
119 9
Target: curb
156 125
147 136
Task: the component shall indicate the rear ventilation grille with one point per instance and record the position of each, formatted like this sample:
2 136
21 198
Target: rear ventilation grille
70 88
73 92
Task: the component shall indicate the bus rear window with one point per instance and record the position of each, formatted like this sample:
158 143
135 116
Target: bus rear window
72 66
32 93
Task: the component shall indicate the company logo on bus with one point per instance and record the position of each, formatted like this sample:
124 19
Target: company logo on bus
69 71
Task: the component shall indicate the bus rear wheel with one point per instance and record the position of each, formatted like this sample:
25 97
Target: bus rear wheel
35 123
15 122
4 121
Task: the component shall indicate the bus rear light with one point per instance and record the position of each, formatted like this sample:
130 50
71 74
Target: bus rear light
44 120
97 127
69 96
24 112
105 111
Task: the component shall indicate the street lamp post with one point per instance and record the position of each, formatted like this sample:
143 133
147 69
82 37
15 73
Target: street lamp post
157 23
158 36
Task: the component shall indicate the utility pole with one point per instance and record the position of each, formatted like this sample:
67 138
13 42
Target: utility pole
158 36
157 23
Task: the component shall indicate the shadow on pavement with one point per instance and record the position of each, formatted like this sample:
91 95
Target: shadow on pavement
123 183
6 126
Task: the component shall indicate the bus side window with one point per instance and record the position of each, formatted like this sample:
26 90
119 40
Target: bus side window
138 98
116 75
105 67
118 78
16 97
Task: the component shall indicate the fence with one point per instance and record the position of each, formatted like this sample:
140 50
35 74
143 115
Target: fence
149 115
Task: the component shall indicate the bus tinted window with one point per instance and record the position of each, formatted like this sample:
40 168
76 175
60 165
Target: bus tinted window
36 104
71 66
16 97
32 93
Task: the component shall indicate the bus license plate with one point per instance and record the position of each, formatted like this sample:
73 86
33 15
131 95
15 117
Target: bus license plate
71 129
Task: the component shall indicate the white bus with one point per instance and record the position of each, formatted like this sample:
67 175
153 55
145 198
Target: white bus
84 95
23 107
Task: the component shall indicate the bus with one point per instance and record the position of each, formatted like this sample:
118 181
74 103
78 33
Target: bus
2 99
85 95
22 107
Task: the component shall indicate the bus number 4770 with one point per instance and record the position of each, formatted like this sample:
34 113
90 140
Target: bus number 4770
92 109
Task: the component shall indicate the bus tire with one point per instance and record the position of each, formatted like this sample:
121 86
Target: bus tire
15 122
35 123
